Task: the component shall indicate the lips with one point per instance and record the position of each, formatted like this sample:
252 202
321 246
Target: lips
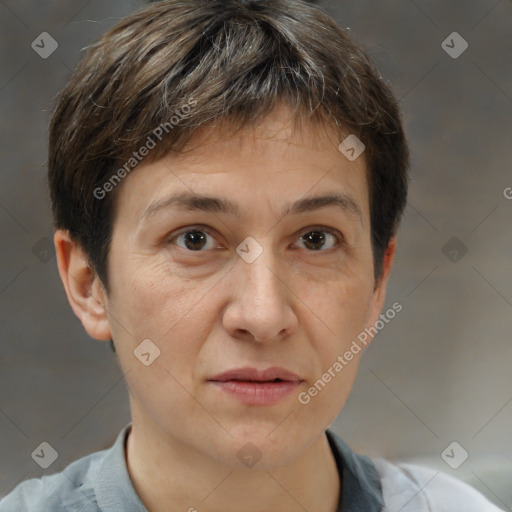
257 387
249 374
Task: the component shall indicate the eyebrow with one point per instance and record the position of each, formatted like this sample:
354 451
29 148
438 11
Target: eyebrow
196 202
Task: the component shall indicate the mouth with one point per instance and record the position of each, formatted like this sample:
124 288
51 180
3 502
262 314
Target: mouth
257 381
256 387
250 374
250 380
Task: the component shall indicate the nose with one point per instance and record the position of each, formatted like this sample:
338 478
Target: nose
261 300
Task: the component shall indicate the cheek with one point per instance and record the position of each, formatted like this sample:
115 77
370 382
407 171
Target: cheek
338 315
168 310
339 311
151 298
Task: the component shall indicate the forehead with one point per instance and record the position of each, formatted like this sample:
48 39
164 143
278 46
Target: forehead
275 162
279 126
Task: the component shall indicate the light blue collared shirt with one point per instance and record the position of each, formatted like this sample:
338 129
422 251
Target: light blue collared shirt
100 482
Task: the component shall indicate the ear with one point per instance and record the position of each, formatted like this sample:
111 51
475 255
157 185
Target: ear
379 293
84 290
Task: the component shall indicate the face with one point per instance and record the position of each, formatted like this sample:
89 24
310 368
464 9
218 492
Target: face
260 284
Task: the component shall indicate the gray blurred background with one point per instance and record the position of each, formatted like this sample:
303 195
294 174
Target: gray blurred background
439 373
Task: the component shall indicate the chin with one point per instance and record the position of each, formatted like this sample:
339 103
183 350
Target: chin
264 446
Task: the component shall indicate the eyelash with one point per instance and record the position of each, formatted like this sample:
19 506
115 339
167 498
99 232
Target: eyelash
334 232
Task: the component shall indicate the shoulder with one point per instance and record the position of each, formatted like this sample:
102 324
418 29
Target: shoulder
413 488
64 491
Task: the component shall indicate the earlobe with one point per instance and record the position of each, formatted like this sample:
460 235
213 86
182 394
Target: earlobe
83 288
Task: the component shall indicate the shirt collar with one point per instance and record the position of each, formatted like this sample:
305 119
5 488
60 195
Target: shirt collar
114 488
359 481
361 489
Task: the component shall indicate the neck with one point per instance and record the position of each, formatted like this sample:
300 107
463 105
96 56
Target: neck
171 477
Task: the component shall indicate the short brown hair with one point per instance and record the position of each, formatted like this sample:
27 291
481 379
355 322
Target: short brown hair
233 60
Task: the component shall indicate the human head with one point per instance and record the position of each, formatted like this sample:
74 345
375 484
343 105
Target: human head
262 103
185 63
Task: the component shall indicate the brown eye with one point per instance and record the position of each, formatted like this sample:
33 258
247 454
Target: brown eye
195 240
317 239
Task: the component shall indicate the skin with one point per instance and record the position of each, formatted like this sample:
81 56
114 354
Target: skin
209 311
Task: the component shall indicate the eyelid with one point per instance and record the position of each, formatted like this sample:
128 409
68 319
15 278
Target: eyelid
319 227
